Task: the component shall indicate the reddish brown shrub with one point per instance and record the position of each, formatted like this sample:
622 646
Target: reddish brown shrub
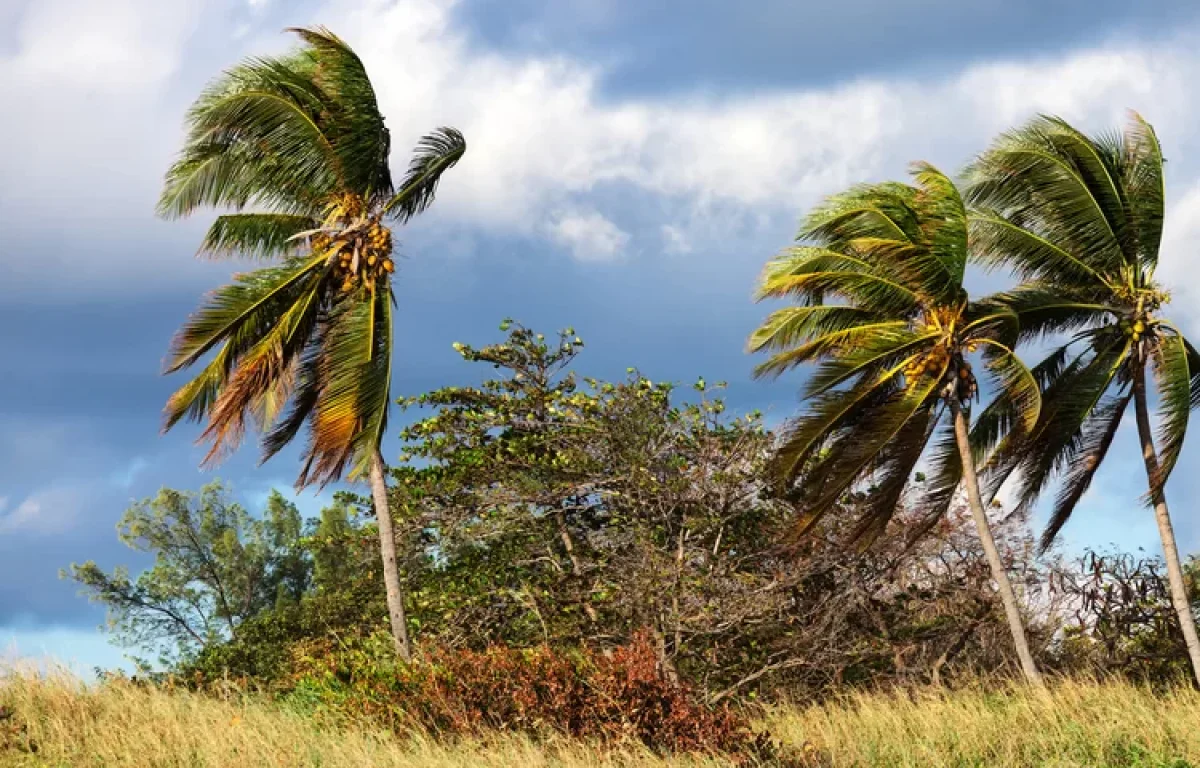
608 697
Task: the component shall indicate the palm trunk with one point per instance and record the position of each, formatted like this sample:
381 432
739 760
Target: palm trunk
1011 610
387 552
1179 596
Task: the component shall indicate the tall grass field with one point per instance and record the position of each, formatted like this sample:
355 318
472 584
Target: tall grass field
56 720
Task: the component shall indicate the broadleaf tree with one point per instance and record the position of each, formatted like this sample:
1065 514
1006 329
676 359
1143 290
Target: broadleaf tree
294 152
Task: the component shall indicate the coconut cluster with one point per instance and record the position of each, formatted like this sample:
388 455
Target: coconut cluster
1135 329
938 359
360 255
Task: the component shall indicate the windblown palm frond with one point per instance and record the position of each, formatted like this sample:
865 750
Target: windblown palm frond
880 309
1080 219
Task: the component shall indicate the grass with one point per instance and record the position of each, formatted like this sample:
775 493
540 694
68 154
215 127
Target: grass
1081 723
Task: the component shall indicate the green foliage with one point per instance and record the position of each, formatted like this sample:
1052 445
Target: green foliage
215 567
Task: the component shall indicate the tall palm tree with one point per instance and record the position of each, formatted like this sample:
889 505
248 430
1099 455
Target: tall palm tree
1080 220
881 309
307 340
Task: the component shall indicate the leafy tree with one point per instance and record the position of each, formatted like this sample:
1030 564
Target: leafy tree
881 309
308 340
215 567
1080 219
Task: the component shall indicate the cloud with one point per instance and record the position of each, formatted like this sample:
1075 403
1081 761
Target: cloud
125 477
674 240
543 137
588 235
1177 260
43 513
543 134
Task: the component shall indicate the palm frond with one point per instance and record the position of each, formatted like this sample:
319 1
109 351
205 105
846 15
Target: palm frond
350 410
997 241
892 474
262 381
873 356
259 297
803 435
943 220
941 484
786 327
831 343
1017 383
1096 437
254 136
1045 310
856 443
1067 404
866 211
436 153
357 132
1173 377
1036 178
256 235
1146 190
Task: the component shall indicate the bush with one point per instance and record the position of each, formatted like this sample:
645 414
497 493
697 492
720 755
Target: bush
615 696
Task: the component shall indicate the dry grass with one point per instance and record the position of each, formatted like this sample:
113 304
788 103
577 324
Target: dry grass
1078 724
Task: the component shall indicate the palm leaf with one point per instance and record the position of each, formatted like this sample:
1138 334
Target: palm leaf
831 343
435 154
1032 177
893 471
351 405
1096 438
1044 311
857 442
996 241
357 131
1173 378
260 297
1146 189
256 235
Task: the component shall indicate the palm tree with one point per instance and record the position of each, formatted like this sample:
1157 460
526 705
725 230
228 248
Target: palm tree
307 340
892 358
1080 220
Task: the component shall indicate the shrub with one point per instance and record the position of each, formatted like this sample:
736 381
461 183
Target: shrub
606 696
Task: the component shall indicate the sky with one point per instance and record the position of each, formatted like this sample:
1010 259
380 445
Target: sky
631 166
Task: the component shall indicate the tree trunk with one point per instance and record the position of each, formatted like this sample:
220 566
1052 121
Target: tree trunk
1179 596
387 552
1011 610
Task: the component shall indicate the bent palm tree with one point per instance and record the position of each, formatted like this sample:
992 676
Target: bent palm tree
1080 219
308 340
891 356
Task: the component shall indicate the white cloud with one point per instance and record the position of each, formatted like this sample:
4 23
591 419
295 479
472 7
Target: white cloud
588 235
674 240
1179 261
42 513
542 136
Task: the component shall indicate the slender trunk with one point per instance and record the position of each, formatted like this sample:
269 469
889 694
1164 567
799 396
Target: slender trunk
387 552
1179 596
1011 610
